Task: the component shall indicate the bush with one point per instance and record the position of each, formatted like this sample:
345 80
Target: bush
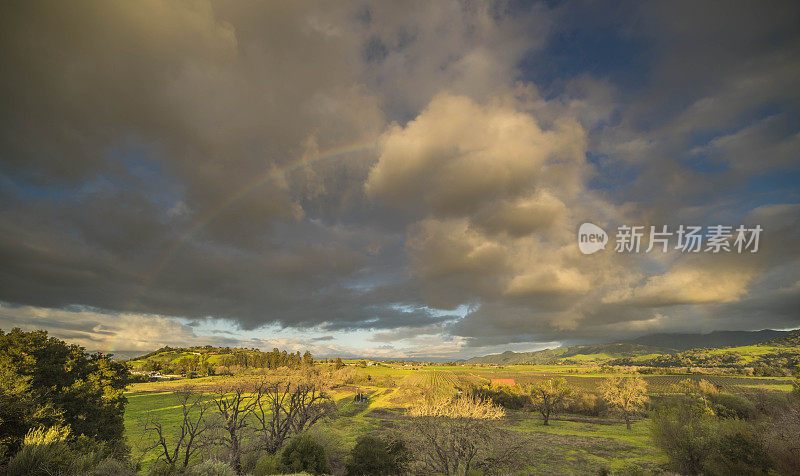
735 450
588 404
680 429
697 442
767 402
44 452
375 456
212 468
161 468
112 467
459 407
505 397
48 451
335 447
303 453
726 405
780 435
267 465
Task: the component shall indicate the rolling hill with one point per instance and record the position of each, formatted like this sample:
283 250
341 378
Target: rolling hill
573 354
208 360
710 340
779 353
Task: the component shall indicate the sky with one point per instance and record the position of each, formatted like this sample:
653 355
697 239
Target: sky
393 179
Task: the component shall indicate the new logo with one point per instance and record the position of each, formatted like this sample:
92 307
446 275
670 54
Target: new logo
591 238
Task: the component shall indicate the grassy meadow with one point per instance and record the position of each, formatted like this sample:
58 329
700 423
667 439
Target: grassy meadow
570 444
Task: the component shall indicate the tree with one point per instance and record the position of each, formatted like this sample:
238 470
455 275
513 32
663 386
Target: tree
626 394
233 405
282 411
178 450
262 417
375 456
308 359
455 436
305 454
46 382
549 397
338 364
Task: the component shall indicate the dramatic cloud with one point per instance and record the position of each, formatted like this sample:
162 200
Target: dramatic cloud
392 180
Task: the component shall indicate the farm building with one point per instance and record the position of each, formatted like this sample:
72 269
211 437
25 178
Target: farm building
499 382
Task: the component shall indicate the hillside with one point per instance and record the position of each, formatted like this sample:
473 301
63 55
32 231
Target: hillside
574 354
121 355
710 340
773 357
208 360
790 338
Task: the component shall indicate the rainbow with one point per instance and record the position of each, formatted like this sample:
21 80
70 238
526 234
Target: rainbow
215 211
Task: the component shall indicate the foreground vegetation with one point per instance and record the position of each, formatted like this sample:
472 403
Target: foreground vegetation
361 417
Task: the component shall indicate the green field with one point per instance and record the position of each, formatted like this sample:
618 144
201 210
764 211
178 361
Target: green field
571 444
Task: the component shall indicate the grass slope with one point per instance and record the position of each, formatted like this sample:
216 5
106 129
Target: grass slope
583 354
782 351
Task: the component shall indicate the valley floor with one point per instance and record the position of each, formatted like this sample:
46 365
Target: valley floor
570 444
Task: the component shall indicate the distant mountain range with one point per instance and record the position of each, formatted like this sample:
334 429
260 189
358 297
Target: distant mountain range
642 348
576 353
710 340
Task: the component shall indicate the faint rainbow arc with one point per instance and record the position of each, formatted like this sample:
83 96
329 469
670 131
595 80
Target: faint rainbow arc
215 211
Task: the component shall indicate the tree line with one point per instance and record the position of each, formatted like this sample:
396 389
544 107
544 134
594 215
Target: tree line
202 361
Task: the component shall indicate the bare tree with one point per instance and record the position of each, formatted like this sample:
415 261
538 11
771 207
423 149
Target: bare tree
308 405
449 445
283 411
178 451
454 436
233 405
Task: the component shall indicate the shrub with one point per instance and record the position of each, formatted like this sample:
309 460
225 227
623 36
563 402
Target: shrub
767 402
303 453
505 397
735 450
588 404
680 429
781 438
335 447
461 407
375 456
726 405
267 465
161 468
44 452
212 468
48 451
697 442
112 467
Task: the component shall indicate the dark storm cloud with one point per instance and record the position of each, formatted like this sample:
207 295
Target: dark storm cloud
345 168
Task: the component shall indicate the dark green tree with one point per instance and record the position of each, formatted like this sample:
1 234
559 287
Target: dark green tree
303 453
45 381
375 456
